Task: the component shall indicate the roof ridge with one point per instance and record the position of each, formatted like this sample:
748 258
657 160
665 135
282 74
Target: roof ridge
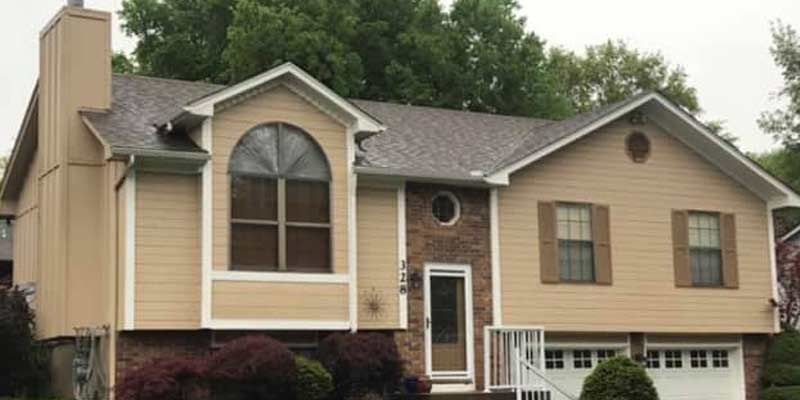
158 78
478 113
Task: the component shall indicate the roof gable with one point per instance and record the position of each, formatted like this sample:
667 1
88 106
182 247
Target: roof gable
676 122
299 81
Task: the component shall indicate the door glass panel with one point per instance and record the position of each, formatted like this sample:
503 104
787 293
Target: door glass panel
448 324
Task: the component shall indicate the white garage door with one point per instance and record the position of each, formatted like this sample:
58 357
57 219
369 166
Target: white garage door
696 374
679 374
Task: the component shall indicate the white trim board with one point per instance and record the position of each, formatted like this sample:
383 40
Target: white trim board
494 228
403 275
688 130
130 250
207 221
363 121
278 324
291 277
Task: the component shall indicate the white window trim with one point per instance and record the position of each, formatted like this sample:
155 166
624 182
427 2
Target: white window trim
456 206
296 277
207 228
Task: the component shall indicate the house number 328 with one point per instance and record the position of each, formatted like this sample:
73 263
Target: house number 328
403 277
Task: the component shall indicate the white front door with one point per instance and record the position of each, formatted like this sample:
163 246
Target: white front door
448 322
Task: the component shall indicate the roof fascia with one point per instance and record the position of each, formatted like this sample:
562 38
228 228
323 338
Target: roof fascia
501 176
205 106
22 136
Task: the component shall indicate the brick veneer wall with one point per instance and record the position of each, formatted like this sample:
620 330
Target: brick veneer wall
138 347
466 242
754 348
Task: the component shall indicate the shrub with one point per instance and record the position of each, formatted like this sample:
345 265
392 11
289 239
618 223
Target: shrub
618 378
361 363
23 361
253 367
781 393
777 374
175 378
313 380
785 349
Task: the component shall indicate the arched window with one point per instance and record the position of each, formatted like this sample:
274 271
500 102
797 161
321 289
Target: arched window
280 202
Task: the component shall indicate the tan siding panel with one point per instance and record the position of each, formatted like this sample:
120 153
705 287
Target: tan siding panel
26 228
168 269
378 261
284 301
641 197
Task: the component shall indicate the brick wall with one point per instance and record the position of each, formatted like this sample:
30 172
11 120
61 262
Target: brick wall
136 348
466 242
754 349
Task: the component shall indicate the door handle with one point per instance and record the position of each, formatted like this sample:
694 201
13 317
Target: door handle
427 322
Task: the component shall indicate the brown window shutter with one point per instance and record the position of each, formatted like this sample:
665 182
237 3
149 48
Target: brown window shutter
680 248
548 243
730 269
601 236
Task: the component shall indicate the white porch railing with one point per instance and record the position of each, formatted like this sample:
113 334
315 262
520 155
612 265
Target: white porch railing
514 360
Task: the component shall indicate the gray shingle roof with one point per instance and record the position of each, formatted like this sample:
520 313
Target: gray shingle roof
138 104
419 141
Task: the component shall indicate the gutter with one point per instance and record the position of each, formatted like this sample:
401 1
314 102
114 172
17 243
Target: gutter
175 155
475 181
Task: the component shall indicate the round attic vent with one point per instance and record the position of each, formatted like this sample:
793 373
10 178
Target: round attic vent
637 145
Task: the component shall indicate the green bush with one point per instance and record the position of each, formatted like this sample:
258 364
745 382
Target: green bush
785 349
314 382
776 374
618 378
23 360
781 393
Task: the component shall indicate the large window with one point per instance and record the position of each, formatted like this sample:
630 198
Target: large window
280 202
575 246
704 245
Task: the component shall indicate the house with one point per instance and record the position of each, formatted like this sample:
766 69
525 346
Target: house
166 217
6 252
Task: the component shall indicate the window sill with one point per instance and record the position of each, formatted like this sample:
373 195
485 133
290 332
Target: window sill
297 277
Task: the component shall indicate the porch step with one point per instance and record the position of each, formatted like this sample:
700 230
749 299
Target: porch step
458 396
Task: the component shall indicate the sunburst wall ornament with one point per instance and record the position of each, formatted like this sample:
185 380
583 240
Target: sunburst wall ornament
375 305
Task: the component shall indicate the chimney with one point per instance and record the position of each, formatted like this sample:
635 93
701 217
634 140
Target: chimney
74 69
75 3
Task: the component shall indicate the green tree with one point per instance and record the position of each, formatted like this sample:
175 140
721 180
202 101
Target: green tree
121 64
612 71
182 39
784 124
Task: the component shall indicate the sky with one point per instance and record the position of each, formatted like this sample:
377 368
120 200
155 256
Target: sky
722 44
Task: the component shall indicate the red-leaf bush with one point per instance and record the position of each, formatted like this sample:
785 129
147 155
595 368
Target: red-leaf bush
172 378
361 363
252 368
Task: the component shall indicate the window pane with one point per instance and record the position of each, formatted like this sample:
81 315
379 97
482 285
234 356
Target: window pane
254 247
254 198
307 201
308 249
300 156
257 152
706 266
576 259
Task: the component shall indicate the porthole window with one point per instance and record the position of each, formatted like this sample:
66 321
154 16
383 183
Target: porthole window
446 208
637 145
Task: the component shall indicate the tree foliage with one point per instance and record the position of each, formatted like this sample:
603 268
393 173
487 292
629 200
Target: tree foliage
476 55
784 124
788 265
612 71
618 378
22 359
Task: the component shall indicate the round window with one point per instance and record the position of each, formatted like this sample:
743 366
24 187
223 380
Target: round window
446 208
637 145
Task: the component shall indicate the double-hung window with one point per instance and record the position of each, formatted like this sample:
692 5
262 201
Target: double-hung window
575 245
704 248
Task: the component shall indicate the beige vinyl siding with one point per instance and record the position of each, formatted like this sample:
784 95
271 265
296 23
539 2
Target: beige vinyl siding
168 268
278 104
279 301
26 229
378 261
643 296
